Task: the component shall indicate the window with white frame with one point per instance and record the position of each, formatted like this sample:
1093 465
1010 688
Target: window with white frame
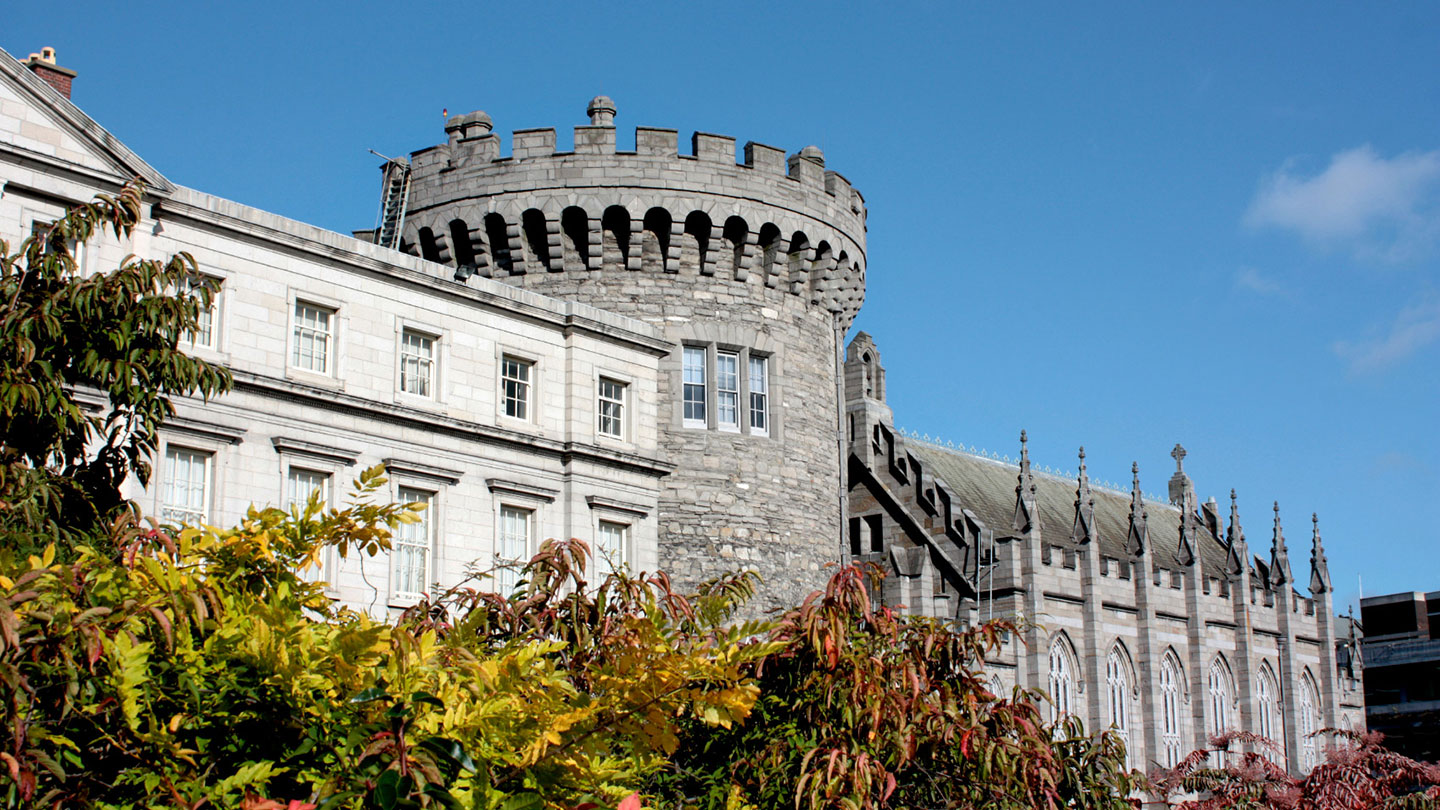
185 489
208 319
1309 722
417 363
610 408
1266 694
1062 679
1117 682
314 338
411 547
300 486
1221 691
611 543
1170 734
512 546
759 394
515 379
727 390
694 373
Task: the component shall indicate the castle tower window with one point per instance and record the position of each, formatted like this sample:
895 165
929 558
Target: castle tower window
515 378
694 373
611 408
410 553
727 390
759 395
417 363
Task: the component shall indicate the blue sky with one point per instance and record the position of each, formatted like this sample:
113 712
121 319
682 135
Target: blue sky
1118 225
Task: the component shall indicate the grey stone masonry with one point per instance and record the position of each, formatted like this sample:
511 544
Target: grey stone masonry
753 270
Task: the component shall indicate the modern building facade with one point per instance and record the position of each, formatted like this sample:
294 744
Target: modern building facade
1402 671
645 349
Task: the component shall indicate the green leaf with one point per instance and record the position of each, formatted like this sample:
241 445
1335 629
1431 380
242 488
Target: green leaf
451 750
526 800
368 695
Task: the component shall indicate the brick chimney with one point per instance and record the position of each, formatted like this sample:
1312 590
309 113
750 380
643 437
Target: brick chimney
43 64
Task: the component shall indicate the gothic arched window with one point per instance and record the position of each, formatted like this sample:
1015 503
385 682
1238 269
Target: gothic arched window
1222 691
1268 696
1309 722
1171 738
1117 683
1062 678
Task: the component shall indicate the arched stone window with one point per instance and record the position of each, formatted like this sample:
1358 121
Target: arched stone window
1172 679
1267 695
1062 678
1222 696
1118 682
1309 722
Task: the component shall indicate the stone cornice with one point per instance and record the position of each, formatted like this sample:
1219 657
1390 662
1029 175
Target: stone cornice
332 248
526 490
301 447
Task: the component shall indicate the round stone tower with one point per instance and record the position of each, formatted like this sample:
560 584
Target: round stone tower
754 270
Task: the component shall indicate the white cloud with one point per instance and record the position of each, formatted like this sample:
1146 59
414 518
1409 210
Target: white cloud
1249 278
1379 207
1416 327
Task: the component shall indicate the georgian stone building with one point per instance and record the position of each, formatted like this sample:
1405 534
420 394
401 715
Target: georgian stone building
645 349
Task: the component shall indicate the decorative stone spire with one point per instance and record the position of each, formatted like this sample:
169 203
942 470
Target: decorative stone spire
1182 489
601 111
1237 557
1026 512
1138 538
1185 549
1279 557
1319 569
1084 531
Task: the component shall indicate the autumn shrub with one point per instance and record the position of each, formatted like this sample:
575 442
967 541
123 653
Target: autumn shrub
1358 773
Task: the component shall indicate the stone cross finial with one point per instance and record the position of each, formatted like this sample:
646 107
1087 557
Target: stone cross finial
1179 455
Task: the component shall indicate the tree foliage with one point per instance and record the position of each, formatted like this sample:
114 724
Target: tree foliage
115 333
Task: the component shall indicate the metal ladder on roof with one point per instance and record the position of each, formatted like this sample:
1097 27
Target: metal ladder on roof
395 196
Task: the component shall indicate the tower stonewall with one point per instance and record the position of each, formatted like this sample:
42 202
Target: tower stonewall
754 270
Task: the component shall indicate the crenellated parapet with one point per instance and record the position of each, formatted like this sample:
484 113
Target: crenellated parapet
758 217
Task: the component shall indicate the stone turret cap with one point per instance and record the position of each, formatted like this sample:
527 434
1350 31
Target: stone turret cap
477 120
813 154
601 111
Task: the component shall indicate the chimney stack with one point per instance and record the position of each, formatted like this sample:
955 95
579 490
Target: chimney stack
43 65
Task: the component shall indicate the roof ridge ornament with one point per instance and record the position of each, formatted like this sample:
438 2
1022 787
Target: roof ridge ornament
1138 538
1026 512
1279 557
1319 568
1084 529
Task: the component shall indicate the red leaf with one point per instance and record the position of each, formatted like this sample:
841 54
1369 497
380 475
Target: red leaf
631 802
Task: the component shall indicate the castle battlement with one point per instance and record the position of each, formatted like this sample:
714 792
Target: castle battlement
771 220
